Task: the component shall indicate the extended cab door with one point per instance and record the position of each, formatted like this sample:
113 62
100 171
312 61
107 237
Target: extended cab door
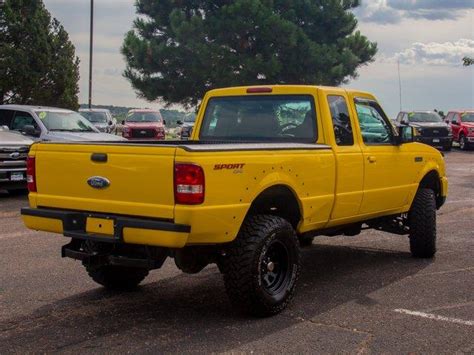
349 161
389 169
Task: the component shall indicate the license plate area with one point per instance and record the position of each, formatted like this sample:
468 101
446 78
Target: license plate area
100 226
17 176
436 140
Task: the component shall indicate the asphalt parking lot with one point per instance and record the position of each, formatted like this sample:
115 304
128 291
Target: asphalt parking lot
361 294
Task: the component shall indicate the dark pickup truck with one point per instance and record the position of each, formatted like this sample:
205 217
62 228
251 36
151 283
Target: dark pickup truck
13 153
429 127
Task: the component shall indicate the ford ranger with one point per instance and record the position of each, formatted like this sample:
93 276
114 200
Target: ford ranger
265 171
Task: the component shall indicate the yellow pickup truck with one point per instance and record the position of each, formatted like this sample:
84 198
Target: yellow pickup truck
266 170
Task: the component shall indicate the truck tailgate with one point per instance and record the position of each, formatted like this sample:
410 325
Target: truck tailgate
140 178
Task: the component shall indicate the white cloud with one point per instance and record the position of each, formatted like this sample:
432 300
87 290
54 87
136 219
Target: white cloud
434 53
394 11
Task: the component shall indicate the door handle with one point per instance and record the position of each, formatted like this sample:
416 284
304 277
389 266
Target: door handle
372 159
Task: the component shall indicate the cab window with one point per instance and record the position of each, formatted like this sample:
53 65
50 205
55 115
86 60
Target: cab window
22 119
341 120
374 124
448 117
6 117
455 119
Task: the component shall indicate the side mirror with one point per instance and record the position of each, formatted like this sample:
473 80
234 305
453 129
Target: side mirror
123 122
406 134
404 122
164 122
179 122
30 130
110 123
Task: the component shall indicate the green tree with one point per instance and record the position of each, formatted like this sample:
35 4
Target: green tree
178 49
38 65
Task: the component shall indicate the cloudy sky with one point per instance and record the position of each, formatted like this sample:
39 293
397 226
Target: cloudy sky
427 37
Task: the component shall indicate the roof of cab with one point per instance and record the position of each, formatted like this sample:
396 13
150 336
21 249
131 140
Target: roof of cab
143 110
461 111
33 108
279 89
93 110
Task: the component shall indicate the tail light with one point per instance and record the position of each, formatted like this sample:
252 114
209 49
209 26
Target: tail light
31 174
188 184
259 90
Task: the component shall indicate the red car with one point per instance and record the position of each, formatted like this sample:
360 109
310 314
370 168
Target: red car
462 124
144 125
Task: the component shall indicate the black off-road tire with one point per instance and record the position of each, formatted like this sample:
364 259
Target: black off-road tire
266 245
422 222
463 144
116 277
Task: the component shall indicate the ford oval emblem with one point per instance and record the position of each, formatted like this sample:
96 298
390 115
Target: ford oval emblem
98 182
14 155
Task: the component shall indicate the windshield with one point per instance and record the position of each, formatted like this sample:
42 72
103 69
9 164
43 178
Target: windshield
95 117
467 117
144 117
65 121
190 119
367 115
280 118
424 117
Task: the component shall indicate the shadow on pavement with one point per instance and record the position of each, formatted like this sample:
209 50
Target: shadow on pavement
179 313
13 193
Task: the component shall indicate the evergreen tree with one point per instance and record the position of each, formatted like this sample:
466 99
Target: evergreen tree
38 65
178 49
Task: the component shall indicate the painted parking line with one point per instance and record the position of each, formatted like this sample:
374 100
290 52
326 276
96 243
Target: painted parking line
434 317
459 201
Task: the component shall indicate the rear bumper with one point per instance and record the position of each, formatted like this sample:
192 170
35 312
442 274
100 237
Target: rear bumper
128 230
6 181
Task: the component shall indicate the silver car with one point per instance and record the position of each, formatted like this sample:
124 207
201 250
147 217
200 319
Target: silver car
13 153
102 119
51 124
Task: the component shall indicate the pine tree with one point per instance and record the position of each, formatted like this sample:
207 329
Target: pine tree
178 49
38 65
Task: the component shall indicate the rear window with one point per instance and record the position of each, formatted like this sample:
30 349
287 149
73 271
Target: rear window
275 118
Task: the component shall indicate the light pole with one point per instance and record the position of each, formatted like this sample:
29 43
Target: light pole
400 84
91 45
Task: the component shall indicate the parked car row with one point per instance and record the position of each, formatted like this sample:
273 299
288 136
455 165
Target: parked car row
431 129
50 124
